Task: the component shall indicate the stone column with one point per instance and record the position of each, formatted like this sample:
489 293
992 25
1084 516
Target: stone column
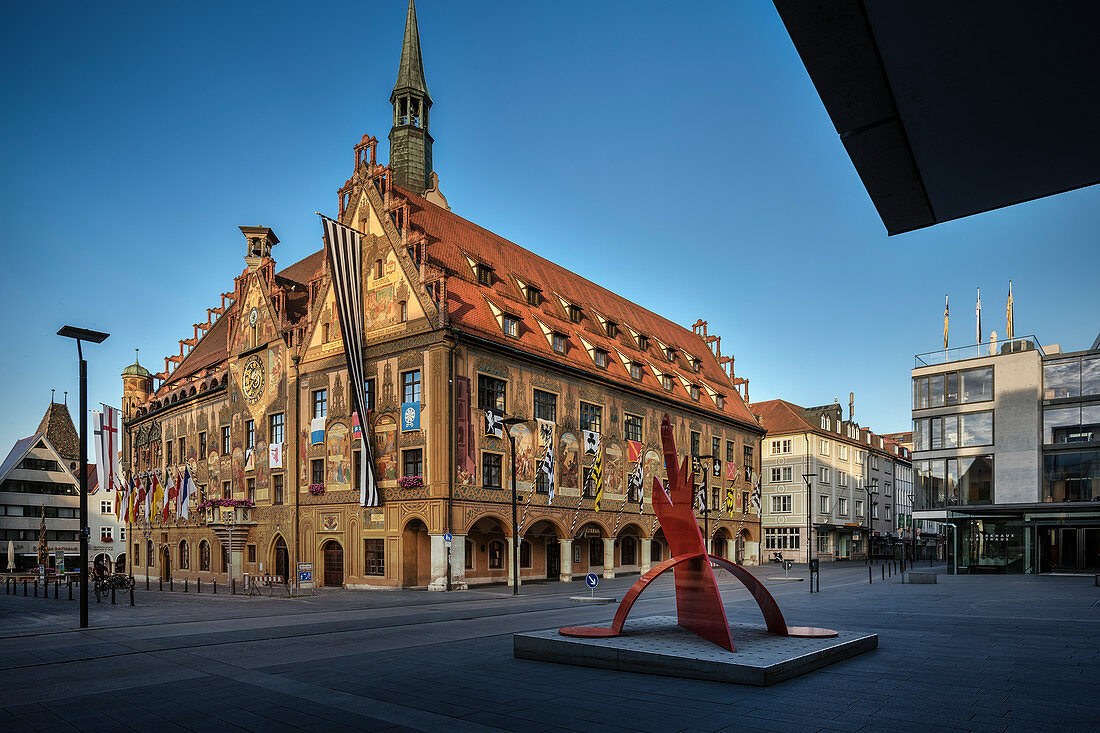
509 559
647 549
458 562
609 557
438 574
566 560
752 553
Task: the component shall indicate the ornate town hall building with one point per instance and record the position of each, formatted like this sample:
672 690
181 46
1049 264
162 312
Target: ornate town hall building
456 320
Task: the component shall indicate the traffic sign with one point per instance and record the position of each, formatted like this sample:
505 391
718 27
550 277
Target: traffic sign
592 580
447 537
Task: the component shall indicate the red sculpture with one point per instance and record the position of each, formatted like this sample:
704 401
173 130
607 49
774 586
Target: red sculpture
698 605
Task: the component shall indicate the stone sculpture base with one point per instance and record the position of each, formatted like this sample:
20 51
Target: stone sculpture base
656 645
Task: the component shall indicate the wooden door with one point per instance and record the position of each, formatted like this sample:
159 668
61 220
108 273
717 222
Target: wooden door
334 564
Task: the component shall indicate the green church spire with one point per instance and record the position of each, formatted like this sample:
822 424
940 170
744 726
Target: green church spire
410 143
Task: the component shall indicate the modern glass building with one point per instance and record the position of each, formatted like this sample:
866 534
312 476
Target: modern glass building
1006 451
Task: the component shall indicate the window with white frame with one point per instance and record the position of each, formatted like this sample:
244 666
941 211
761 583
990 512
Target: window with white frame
781 447
781 474
886 488
842 479
106 507
874 510
824 447
824 475
874 462
511 325
886 509
781 538
781 504
860 457
842 452
824 504
107 534
842 507
859 507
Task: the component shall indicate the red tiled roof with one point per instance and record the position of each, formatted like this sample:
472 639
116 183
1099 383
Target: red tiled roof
780 416
452 238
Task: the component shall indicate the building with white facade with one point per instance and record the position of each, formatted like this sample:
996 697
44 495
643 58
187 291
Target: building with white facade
822 470
1007 453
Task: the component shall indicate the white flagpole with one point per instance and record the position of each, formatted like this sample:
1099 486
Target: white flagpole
978 332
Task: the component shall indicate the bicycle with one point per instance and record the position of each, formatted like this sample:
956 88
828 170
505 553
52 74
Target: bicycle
120 583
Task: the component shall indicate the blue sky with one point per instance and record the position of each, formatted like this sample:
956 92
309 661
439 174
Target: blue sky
676 154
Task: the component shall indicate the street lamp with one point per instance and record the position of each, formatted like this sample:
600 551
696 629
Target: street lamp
872 490
147 533
808 478
507 423
95 337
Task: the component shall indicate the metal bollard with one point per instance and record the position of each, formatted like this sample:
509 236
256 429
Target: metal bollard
198 585
233 586
96 595
36 587
869 578
112 595
883 567
215 586
171 584
24 587
185 585
56 590
70 589
131 594
160 584
146 580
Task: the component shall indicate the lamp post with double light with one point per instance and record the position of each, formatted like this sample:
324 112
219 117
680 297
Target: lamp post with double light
508 422
95 337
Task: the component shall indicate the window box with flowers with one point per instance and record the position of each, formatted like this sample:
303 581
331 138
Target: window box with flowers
410 482
240 508
316 489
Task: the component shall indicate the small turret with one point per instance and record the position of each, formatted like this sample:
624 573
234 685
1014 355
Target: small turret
137 386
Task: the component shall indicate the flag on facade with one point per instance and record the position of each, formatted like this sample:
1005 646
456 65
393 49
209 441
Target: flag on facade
591 443
546 440
597 475
356 428
731 470
701 498
158 496
635 486
633 451
250 459
346 266
978 312
945 319
275 455
731 499
107 447
186 492
756 495
494 423
144 495
1008 312
317 430
173 495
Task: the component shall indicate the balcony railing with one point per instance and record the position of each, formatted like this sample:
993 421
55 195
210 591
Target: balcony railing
974 351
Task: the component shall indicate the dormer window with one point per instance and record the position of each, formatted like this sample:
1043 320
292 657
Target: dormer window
484 274
666 382
720 401
696 365
559 342
636 371
695 392
670 354
511 326
612 329
575 313
600 357
534 295
643 343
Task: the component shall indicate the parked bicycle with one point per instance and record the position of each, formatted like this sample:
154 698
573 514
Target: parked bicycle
118 582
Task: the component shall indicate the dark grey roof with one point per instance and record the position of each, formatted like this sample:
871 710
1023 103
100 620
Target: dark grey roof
410 72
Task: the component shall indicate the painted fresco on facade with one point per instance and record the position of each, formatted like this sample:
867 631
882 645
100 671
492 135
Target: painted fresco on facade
613 468
385 448
569 477
338 465
525 458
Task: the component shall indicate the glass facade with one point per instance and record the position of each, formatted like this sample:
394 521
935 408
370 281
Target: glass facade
967 480
1076 424
953 388
989 545
1071 476
1078 377
968 430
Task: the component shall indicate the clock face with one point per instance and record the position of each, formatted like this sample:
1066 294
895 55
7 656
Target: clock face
252 378
252 316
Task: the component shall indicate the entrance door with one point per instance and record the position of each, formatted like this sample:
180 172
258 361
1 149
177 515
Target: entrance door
553 559
282 560
1067 549
165 565
334 564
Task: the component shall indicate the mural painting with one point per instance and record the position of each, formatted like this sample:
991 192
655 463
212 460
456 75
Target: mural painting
385 449
650 468
338 466
613 469
568 452
525 458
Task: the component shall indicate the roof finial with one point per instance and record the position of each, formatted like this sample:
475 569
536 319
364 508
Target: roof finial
52 391
136 361
410 72
66 398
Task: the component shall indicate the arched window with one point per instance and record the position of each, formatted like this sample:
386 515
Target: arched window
185 556
627 553
496 555
204 556
149 553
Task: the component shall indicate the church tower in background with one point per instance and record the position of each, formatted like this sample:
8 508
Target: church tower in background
410 143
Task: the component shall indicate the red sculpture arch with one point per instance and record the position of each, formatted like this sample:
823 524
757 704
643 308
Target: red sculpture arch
699 606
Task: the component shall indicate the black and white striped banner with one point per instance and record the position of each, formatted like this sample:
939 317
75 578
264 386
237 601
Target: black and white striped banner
345 261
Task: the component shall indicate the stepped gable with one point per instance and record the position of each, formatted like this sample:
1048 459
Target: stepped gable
451 239
213 348
57 426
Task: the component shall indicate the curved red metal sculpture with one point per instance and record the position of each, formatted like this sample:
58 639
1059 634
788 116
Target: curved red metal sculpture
699 606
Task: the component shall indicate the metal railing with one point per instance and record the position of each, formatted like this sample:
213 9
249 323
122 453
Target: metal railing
975 351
